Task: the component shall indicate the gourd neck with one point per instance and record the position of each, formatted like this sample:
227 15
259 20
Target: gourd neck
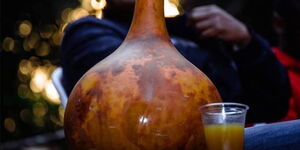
148 20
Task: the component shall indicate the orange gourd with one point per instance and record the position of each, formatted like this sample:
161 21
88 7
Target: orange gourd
144 96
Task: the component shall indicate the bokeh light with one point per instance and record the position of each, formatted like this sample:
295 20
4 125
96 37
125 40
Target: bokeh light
39 109
77 14
99 14
63 26
171 10
34 96
23 78
25 66
43 49
51 93
8 44
31 42
86 4
35 61
25 115
10 125
25 28
98 4
65 14
46 31
39 80
23 91
56 38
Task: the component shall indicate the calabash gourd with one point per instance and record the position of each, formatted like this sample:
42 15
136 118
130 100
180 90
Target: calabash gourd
144 96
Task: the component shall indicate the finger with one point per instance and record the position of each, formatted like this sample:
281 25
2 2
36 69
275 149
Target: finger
198 16
203 25
204 12
204 8
209 33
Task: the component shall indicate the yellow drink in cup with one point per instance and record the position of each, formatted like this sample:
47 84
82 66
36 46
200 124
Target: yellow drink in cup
224 125
224 137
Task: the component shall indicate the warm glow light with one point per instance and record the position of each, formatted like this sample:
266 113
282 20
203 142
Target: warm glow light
10 125
63 26
23 91
8 44
43 49
65 13
39 80
171 9
35 61
31 42
25 66
86 5
39 109
98 4
47 31
25 28
26 45
99 14
23 78
51 93
56 38
77 14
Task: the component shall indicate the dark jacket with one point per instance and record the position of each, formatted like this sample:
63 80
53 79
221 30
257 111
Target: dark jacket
252 75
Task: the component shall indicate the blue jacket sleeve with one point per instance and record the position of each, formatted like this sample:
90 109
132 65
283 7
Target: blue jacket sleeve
86 42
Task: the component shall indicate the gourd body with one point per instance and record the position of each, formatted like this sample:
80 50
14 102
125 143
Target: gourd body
144 96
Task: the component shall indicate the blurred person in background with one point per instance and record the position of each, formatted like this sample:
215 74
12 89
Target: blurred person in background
287 26
238 61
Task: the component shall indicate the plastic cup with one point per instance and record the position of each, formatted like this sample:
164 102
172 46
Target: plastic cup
224 125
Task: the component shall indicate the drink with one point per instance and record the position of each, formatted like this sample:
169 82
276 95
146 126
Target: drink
224 136
224 125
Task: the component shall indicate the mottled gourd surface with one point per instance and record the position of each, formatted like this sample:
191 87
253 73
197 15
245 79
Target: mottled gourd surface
144 96
139 100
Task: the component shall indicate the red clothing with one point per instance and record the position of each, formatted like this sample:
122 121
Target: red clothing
293 68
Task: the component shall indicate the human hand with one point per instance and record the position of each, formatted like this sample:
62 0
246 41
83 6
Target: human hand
213 22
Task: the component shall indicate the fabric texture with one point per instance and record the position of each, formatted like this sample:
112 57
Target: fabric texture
276 136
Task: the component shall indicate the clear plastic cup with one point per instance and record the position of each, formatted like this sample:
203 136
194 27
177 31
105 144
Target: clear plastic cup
224 125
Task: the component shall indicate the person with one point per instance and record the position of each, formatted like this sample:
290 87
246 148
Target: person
237 60
286 24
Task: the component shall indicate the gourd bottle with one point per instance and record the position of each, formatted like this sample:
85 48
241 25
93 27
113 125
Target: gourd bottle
144 96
